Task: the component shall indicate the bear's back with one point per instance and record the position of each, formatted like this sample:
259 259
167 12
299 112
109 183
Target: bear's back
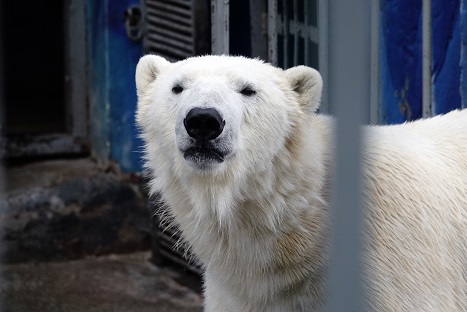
415 189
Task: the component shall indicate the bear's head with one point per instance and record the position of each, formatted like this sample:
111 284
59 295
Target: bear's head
212 114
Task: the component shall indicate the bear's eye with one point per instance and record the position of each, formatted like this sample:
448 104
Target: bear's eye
248 91
177 89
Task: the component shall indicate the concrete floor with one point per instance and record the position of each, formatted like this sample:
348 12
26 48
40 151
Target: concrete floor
58 210
117 283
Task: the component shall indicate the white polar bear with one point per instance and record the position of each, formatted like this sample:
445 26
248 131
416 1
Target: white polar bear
237 152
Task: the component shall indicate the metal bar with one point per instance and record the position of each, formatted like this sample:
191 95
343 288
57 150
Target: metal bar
259 44
220 26
349 89
323 16
427 106
312 33
307 33
296 33
285 32
75 78
272 31
374 85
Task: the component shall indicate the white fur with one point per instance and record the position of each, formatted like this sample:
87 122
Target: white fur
258 220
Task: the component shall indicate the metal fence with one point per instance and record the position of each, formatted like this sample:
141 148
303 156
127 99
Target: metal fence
296 28
342 40
344 26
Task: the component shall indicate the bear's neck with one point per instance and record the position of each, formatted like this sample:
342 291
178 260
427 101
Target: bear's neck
283 204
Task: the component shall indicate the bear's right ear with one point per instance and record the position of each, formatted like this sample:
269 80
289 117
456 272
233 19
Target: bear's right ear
307 83
148 69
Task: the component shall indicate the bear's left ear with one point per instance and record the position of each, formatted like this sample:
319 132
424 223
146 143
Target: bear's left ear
308 85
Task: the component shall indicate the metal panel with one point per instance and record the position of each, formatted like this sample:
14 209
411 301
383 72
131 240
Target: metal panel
176 29
169 29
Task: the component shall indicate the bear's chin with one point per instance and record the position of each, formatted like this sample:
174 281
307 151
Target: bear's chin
203 158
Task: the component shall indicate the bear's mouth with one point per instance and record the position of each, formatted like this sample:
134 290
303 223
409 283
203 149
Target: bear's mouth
202 155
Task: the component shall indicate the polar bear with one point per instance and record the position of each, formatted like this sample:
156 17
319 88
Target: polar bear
236 150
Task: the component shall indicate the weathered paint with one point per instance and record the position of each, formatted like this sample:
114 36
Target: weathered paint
112 62
401 58
97 77
123 57
113 58
400 61
446 71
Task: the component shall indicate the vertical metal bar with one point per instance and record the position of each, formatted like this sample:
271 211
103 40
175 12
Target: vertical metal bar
272 31
296 33
286 31
323 16
259 44
307 32
427 106
75 78
220 26
375 37
2 150
349 89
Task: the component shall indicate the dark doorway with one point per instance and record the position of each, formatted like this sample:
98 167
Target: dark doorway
34 51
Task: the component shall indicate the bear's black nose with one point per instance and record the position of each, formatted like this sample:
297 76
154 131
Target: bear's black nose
203 123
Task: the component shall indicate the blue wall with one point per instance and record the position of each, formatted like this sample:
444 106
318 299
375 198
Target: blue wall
463 35
401 63
446 55
401 58
112 91
113 58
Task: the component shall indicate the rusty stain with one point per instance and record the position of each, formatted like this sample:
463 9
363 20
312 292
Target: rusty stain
402 103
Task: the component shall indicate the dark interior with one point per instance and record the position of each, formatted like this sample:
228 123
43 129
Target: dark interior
34 66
